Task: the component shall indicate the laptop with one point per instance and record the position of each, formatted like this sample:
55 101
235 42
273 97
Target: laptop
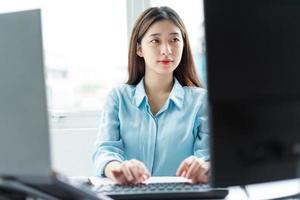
25 168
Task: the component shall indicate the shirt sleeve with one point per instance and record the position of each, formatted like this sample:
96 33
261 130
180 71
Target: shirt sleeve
109 145
201 145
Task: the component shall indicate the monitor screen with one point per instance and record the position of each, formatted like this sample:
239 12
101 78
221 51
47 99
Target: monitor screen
24 143
253 66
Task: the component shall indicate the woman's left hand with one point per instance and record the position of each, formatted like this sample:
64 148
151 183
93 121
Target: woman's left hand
194 168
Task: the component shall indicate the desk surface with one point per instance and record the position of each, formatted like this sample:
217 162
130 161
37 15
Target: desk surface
256 191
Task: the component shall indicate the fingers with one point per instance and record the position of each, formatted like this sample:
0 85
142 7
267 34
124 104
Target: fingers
139 171
195 169
131 172
113 171
199 175
143 170
204 174
125 167
119 177
184 166
182 169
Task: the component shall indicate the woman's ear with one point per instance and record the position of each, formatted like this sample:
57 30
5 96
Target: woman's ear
139 50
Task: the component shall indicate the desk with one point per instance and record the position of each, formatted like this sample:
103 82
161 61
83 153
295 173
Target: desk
256 191
269 190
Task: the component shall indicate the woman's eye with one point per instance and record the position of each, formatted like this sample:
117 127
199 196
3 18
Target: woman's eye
175 40
154 41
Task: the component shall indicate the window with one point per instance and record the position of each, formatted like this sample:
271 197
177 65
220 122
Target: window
85 50
85 54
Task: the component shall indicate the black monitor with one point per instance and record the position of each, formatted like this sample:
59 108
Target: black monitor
253 65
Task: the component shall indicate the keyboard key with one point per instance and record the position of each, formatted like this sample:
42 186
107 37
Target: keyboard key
161 191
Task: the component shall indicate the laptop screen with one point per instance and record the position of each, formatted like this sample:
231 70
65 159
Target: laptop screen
24 143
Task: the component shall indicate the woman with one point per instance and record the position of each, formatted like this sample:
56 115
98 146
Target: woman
156 123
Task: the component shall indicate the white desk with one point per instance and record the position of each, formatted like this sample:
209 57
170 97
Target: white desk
269 190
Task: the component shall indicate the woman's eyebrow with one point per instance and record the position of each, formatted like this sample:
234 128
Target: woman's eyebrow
175 33
155 34
159 34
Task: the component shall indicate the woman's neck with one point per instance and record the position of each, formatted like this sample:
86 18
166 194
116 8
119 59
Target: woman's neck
158 84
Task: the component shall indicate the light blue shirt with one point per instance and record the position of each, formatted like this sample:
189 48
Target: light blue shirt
128 129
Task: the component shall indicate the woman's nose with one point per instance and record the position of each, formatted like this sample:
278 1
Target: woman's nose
166 49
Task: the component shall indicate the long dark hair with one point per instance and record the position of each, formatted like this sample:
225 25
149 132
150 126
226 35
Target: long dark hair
185 72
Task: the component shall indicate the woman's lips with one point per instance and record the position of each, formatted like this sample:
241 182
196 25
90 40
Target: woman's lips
165 62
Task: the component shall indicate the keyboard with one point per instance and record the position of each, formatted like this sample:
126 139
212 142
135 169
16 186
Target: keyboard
161 191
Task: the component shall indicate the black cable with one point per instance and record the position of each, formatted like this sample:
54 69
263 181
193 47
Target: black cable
243 187
10 187
8 194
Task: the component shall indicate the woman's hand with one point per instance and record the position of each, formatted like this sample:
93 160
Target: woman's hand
194 168
127 172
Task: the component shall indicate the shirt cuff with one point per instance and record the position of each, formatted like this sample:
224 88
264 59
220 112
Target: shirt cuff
102 164
203 155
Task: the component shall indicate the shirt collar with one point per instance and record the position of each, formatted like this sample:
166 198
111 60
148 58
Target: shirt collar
176 95
140 93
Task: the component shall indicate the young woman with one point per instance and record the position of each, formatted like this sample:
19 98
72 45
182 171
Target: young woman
156 123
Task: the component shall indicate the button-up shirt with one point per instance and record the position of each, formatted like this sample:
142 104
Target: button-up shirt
129 130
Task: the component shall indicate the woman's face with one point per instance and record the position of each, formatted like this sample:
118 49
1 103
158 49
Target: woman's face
161 47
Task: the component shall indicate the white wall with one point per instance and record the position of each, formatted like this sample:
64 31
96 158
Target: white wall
72 148
72 151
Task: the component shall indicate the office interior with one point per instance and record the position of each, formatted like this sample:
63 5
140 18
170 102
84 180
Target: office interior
79 55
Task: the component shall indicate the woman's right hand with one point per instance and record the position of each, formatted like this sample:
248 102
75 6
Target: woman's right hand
127 172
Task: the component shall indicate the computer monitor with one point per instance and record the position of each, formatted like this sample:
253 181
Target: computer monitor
26 169
22 103
253 65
